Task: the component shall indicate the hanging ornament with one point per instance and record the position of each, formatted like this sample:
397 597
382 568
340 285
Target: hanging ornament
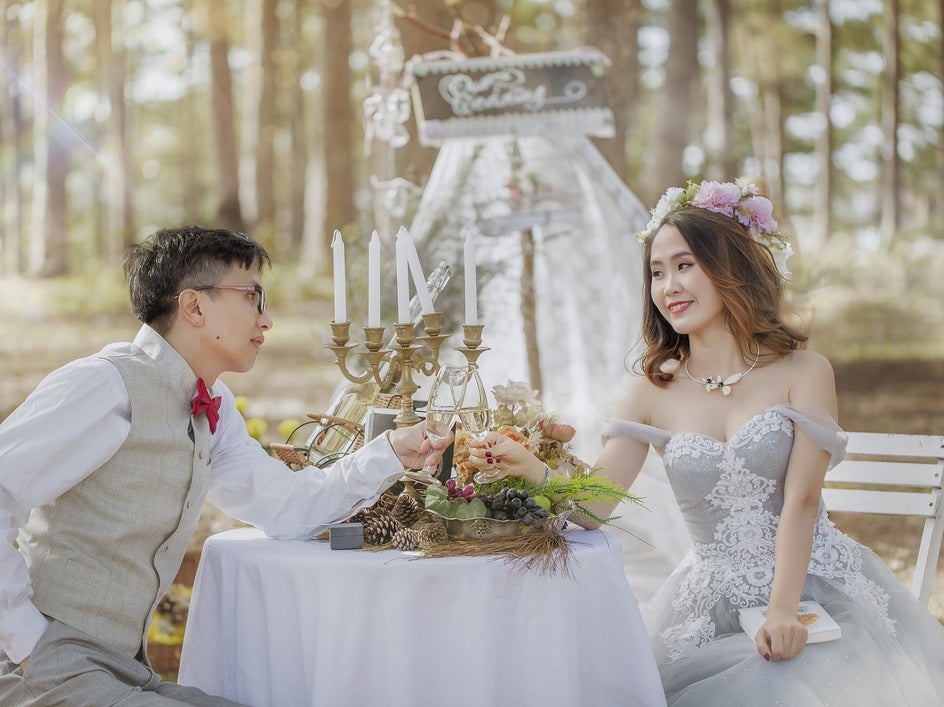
387 108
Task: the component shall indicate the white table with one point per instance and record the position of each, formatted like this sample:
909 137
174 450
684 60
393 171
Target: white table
277 623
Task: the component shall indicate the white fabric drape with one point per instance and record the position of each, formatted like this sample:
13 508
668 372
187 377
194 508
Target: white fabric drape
588 294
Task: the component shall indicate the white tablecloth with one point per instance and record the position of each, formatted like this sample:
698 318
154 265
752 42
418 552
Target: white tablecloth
278 623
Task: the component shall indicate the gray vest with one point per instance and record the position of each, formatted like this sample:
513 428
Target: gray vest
102 555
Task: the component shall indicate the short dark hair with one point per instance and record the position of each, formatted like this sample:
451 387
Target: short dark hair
174 259
748 282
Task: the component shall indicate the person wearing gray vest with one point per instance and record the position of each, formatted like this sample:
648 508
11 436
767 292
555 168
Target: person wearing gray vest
104 469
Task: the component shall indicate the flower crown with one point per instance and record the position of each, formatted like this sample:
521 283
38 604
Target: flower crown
739 200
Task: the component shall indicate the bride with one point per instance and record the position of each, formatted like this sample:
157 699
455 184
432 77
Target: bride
743 418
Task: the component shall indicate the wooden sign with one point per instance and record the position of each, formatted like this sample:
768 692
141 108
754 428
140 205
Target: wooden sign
555 92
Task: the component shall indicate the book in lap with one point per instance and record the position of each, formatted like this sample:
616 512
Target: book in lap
821 626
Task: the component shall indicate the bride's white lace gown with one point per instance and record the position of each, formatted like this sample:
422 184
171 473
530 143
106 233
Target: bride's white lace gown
731 495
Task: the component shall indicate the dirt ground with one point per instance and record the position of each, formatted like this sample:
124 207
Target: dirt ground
295 374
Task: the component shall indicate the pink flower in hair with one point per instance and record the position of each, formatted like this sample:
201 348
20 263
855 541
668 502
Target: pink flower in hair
756 212
719 197
738 200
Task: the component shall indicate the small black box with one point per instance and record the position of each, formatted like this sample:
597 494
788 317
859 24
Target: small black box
346 536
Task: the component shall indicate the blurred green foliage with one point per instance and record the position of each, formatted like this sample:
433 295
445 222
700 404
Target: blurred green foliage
877 305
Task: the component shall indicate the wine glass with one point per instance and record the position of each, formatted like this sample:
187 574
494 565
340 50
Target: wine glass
445 395
476 418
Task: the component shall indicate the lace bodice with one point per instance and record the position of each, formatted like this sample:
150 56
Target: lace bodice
731 495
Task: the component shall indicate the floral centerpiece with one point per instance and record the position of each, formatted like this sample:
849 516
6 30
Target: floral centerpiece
572 483
519 415
508 517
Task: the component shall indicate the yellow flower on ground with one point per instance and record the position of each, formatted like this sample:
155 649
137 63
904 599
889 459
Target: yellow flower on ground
286 427
170 617
242 402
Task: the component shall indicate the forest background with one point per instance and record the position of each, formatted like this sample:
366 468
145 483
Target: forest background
118 117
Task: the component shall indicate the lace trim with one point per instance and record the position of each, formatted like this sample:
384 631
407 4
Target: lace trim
739 565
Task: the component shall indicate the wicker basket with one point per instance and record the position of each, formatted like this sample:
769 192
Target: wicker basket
489 528
335 435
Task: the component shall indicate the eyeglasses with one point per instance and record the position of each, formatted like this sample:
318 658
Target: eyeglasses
260 300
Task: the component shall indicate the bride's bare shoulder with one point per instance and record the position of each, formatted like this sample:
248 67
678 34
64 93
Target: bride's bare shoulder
809 380
637 400
808 363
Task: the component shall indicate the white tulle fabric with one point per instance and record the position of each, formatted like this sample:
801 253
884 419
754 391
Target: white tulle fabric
731 495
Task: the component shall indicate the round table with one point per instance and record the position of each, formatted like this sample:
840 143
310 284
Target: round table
291 623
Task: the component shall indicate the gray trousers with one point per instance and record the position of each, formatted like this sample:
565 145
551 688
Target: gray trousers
69 668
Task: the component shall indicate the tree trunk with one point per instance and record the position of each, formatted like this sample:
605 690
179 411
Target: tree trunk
194 149
12 137
123 120
612 26
50 246
677 103
415 161
98 172
722 158
772 168
298 157
338 118
940 142
224 127
891 165
823 193
528 316
267 125
766 118
117 210
315 251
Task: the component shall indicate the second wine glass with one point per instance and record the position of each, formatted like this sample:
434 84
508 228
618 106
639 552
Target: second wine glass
476 418
474 412
445 396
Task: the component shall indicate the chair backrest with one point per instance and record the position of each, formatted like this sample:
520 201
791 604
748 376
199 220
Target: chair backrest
895 474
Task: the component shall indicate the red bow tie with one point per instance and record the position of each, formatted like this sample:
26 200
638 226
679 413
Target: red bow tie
202 402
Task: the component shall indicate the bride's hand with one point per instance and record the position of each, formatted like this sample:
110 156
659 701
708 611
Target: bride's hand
780 637
496 451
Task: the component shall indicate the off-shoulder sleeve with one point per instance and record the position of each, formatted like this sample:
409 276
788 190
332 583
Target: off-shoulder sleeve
821 428
635 430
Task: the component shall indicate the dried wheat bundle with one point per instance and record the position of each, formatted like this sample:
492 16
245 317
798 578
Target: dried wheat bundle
546 553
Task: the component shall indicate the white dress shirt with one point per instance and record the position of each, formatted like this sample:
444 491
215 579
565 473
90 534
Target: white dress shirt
80 415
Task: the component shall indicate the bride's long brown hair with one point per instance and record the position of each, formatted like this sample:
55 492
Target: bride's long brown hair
748 283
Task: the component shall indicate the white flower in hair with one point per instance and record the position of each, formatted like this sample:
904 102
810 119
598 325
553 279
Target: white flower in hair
668 203
747 188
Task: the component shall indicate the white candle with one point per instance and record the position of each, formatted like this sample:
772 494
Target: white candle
416 270
340 284
373 280
471 305
403 280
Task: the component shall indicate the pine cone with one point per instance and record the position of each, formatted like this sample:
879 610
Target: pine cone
406 509
433 534
382 506
405 539
364 515
379 529
386 501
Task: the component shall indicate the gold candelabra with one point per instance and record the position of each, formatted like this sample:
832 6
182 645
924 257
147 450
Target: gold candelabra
408 353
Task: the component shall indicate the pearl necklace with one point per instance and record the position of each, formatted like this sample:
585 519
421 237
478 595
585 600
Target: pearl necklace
723 384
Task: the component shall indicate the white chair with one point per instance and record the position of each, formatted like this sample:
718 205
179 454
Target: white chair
895 474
